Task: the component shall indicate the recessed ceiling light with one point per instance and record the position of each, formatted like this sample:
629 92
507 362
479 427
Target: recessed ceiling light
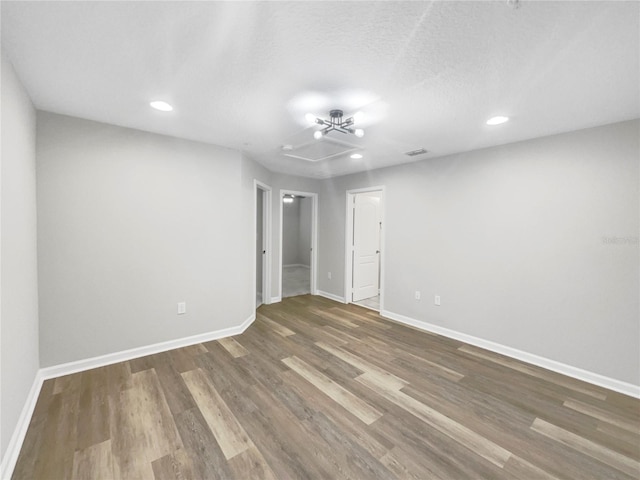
497 120
162 106
356 156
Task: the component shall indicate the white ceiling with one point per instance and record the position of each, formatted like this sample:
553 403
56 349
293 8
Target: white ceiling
243 74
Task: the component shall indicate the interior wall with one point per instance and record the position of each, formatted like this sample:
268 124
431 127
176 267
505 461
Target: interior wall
290 232
130 223
304 231
251 171
296 242
18 252
259 246
532 245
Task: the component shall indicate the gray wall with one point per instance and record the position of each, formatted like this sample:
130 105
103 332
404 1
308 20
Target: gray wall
304 232
18 252
533 245
250 171
259 239
130 223
290 232
296 240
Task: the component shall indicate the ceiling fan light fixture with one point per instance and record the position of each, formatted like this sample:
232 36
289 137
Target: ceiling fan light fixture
336 123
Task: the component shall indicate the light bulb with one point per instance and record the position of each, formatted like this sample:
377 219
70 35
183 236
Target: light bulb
317 134
310 117
359 132
356 156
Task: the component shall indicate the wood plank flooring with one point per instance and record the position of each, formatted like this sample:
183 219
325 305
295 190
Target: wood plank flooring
317 389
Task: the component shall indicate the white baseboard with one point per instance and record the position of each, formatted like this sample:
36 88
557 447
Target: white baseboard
574 372
276 299
330 296
15 443
296 265
103 360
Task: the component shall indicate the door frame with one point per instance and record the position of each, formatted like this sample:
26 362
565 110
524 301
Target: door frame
348 245
314 237
266 240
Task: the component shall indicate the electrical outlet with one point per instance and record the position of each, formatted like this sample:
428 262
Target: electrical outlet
417 295
436 300
329 275
182 308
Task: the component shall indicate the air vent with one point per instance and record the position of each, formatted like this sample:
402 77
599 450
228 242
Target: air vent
413 153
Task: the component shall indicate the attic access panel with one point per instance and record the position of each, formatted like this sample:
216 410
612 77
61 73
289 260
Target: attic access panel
323 149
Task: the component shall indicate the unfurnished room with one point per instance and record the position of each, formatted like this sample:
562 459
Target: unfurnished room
320 240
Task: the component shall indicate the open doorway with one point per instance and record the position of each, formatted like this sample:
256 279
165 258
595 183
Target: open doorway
364 247
297 243
262 243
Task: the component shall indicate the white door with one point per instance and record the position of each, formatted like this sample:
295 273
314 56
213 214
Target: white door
366 246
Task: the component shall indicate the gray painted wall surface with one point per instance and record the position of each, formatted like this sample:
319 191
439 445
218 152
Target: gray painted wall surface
259 235
290 232
130 223
532 245
304 232
296 240
250 171
18 252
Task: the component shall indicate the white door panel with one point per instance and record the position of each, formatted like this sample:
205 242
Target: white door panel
366 247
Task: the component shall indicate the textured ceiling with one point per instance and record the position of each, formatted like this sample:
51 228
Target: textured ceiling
243 74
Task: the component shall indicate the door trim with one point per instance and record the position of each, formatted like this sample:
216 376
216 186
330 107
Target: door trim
348 243
266 234
314 237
